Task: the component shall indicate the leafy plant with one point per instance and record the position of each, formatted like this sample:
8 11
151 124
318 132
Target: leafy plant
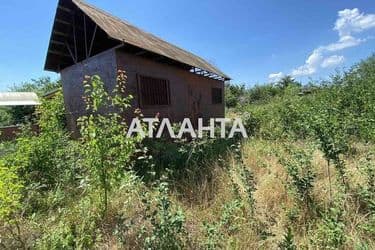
367 191
331 232
167 226
11 188
106 149
46 157
299 169
227 225
288 241
76 228
10 191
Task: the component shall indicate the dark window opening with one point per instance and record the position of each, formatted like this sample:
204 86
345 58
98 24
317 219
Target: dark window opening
217 96
154 91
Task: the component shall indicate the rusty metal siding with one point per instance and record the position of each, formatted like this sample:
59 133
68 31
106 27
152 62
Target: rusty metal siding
10 133
191 95
104 65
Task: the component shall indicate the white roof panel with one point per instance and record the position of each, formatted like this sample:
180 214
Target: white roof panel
18 99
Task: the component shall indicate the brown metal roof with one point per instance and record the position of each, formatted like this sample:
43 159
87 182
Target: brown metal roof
129 34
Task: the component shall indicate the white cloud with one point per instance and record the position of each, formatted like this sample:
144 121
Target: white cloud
332 61
352 21
343 43
311 65
349 22
275 76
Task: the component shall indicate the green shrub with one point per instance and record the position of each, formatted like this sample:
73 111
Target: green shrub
105 147
10 192
5 117
367 191
49 157
167 226
233 95
331 231
179 158
215 233
74 228
298 165
340 107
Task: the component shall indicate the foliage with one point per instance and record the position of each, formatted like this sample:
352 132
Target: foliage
73 229
288 81
106 149
299 168
5 117
167 227
245 175
42 158
234 95
10 191
367 191
331 231
227 225
176 157
331 111
288 241
40 86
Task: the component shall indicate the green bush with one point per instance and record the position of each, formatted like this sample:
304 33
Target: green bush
74 228
106 150
10 192
5 117
49 157
345 104
167 226
179 157
298 165
233 95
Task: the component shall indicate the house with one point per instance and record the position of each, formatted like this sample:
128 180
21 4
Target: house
163 78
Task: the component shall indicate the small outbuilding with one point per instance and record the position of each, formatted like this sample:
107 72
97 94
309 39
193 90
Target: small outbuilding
163 78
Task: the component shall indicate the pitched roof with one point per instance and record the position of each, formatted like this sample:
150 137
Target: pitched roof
124 32
18 99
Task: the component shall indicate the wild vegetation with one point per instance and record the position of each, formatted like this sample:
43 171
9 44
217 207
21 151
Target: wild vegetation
304 180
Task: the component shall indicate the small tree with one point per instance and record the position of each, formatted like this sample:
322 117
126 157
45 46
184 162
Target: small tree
300 170
106 149
330 129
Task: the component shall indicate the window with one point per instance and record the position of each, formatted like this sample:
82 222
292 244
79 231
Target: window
153 91
217 96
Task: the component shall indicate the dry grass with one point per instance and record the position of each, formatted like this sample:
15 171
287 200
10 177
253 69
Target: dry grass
203 197
273 200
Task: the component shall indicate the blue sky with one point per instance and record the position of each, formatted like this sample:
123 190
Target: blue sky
249 40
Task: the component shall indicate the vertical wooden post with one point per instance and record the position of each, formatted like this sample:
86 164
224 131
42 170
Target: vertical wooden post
74 37
85 30
92 39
